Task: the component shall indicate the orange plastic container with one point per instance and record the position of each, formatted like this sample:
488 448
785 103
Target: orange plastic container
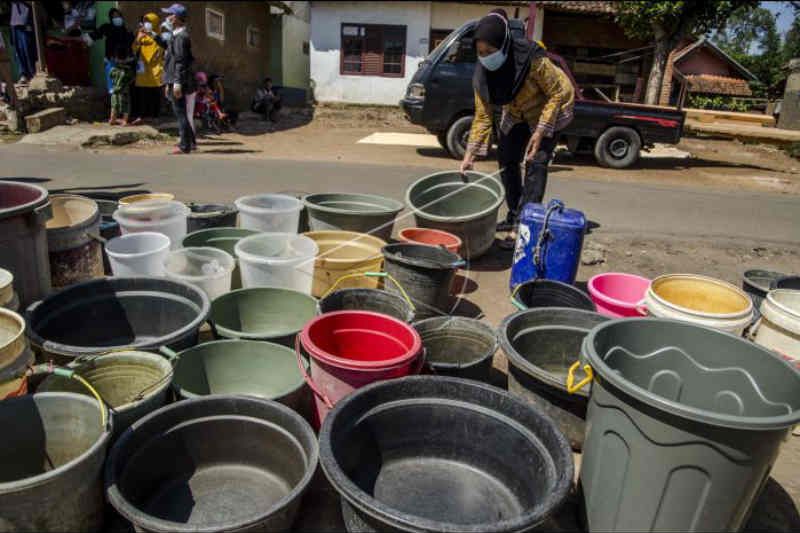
432 237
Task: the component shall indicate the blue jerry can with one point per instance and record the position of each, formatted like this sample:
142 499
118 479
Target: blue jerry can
550 254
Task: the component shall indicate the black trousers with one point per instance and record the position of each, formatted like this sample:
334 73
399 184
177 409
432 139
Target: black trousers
510 154
266 106
184 128
147 101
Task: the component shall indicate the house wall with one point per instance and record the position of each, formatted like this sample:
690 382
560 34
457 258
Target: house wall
326 21
702 61
242 66
296 29
449 15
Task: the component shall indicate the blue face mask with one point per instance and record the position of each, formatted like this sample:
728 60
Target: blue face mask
117 21
166 36
494 60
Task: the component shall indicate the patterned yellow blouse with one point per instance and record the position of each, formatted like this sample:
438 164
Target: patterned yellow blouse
545 101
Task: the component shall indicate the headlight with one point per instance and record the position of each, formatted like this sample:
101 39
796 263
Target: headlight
416 90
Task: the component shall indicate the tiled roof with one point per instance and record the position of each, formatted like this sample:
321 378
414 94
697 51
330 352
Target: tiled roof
580 7
707 83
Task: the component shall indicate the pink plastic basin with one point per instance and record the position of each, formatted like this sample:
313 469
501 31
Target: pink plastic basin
617 294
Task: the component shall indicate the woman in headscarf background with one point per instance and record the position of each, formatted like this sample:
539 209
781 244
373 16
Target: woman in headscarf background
536 98
149 68
117 36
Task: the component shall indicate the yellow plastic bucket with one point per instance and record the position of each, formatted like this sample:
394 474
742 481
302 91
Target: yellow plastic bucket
701 300
342 253
133 198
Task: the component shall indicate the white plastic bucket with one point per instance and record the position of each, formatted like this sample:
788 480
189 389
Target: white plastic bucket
277 260
167 217
779 326
210 269
138 254
276 213
700 300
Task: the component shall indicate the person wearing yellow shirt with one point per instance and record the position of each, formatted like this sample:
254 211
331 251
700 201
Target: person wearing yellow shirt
149 68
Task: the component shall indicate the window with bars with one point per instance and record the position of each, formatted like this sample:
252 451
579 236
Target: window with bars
373 50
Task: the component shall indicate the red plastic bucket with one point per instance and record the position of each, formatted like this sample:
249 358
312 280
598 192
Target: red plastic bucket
617 294
432 237
350 349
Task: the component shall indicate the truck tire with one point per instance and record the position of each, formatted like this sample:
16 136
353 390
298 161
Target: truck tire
442 138
618 147
457 135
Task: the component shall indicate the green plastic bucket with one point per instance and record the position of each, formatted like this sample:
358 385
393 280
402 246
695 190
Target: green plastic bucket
263 314
683 426
254 368
362 213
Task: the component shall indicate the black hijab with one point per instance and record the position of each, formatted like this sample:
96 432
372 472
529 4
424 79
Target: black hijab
502 85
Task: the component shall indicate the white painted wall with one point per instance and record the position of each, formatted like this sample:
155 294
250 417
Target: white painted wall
326 21
451 15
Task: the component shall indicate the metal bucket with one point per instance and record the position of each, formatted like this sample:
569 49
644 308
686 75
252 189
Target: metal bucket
73 242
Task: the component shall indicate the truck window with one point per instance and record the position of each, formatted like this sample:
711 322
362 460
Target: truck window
463 50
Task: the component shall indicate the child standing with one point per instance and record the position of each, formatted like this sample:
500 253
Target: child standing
122 77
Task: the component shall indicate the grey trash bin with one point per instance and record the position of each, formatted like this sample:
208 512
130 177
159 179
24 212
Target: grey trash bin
683 426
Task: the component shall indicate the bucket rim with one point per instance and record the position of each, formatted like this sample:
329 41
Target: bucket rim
41 199
243 232
342 237
535 371
463 218
146 197
760 272
102 440
243 207
409 312
226 209
463 319
673 408
746 313
149 522
181 212
89 221
389 253
595 292
352 364
774 285
396 207
348 490
72 351
187 394
233 334
260 259
130 236
456 241
772 298
20 320
222 254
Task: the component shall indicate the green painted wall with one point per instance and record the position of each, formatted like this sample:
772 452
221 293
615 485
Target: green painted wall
276 49
97 52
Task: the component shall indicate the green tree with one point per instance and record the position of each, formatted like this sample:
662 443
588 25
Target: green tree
791 46
667 22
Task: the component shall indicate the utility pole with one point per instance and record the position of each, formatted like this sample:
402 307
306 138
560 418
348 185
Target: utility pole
41 64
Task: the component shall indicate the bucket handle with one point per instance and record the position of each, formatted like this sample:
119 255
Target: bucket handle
573 387
753 329
313 386
372 275
519 305
641 307
169 353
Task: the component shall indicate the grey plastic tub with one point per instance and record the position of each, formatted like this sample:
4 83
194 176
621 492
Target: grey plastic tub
465 205
376 300
541 344
52 460
220 463
457 346
684 424
430 453
362 213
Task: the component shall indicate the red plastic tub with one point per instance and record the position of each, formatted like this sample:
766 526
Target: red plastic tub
350 349
432 237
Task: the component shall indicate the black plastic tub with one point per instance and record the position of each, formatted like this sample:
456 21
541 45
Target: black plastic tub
786 282
219 463
430 453
550 293
541 344
376 300
205 216
458 347
110 314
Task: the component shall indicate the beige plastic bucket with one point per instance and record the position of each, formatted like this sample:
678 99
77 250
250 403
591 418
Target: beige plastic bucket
700 300
133 198
342 253
12 337
779 326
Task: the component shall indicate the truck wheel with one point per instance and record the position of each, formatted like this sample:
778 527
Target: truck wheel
457 135
618 147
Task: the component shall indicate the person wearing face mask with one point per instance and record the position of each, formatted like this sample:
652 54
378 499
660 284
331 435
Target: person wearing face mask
536 99
178 77
149 68
116 36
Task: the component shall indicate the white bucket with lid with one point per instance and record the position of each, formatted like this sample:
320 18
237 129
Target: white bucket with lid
167 217
276 213
210 269
779 326
138 254
283 260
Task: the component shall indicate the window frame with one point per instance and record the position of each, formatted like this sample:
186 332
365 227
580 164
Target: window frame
221 15
382 28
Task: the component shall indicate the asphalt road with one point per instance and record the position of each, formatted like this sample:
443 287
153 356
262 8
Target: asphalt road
616 207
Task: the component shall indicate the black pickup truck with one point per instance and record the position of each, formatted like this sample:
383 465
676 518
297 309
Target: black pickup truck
440 98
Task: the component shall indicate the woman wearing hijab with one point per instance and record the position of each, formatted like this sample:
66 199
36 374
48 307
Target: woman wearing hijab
536 98
150 67
116 35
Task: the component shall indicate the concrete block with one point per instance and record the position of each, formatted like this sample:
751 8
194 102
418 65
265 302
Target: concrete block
46 119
